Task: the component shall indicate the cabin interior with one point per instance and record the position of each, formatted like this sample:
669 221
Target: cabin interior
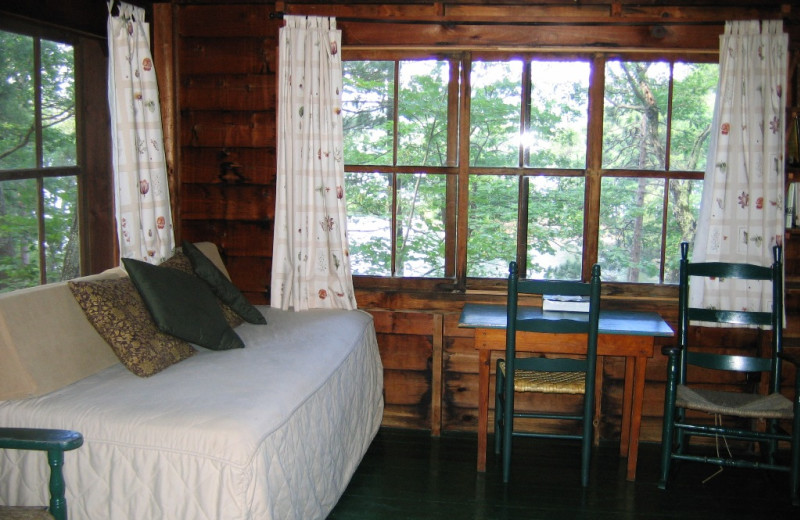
217 70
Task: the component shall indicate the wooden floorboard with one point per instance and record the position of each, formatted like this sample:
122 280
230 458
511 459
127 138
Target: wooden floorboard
411 475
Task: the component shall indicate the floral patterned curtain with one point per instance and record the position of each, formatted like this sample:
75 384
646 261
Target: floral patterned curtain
742 209
141 191
310 263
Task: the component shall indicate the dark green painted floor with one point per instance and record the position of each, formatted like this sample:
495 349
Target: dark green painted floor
410 475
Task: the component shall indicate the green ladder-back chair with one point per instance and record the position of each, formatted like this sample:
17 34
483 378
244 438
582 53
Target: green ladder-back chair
55 443
739 409
547 375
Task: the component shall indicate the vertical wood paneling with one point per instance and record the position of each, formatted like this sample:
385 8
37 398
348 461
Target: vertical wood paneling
164 59
436 374
98 228
406 341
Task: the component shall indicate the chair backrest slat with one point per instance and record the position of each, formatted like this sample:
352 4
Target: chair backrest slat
555 322
729 362
560 287
731 317
730 270
579 325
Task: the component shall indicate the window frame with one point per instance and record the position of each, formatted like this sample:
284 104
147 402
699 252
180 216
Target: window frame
93 145
458 169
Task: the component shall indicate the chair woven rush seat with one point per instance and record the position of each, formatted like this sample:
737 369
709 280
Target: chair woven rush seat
772 406
25 513
547 382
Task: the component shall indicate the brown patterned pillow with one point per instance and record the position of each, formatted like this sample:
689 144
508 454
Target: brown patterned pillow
182 263
118 313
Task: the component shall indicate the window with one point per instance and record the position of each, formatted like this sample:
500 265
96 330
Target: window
397 199
441 184
656 122
530 116
39 235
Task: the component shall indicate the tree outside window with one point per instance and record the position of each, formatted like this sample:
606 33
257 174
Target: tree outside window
530 182
656 127
39 236
396 208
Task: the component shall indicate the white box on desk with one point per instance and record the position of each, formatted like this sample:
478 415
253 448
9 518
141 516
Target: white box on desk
553 302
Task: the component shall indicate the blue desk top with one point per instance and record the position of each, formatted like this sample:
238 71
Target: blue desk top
633 323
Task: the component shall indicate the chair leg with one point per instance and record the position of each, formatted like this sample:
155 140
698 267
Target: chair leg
772 445
58 502
588 437
668 431
794 479
498 410
508 425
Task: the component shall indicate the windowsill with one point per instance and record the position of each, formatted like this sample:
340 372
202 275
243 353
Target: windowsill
495 287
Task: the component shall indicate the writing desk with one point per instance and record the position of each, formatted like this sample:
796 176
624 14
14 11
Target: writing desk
628 334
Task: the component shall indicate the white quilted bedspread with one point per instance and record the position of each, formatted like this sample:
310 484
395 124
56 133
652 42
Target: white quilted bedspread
271 431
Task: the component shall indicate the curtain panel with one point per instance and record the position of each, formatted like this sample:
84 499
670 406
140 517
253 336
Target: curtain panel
141 189
310 261
742 210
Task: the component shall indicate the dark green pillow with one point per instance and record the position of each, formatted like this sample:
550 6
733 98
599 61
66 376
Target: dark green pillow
220 285
182 305
181 262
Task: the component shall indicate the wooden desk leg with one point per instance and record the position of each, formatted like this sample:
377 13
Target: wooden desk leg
636 416
627 399
484 357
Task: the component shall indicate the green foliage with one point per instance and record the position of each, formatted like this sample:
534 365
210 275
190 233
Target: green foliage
368 109
630 229
495 114
22 198
632 209
559 114
17 145
19 252
420 228
555 227
692 115
422 124
492 239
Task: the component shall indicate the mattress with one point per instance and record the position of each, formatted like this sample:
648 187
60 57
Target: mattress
271 431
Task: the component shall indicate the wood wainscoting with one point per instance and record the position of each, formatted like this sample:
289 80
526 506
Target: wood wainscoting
431 371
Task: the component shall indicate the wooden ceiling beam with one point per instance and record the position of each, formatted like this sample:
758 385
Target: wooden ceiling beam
556 11
551 37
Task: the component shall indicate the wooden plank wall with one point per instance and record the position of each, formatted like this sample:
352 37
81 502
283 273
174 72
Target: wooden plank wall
220 106
225 60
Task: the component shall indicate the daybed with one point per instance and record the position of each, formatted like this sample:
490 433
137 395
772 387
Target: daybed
273 430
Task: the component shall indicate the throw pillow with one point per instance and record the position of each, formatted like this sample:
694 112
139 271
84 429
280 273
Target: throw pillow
117 312
220 285
181 262
182 305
